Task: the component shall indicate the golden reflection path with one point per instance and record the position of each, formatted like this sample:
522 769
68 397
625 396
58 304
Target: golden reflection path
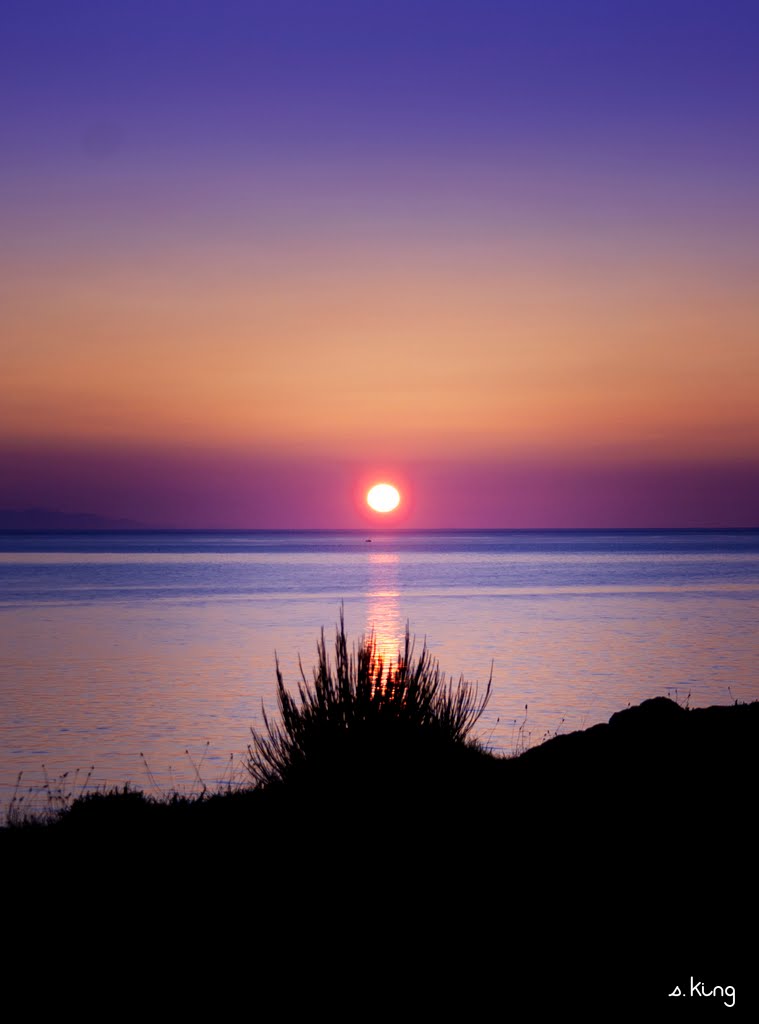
383 617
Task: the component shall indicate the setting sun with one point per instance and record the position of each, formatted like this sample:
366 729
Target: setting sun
383 498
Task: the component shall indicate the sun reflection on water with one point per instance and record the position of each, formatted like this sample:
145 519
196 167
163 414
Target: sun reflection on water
383 617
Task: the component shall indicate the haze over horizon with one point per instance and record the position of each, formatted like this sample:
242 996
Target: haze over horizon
257 257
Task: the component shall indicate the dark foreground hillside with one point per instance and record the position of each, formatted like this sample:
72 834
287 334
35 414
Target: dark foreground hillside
603 868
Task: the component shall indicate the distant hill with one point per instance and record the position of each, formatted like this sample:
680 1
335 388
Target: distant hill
54 519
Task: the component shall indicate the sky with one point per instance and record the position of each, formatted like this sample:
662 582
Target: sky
256 257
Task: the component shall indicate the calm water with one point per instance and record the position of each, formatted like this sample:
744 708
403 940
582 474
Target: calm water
142 654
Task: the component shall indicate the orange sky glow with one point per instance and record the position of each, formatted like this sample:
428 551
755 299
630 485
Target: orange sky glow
526 287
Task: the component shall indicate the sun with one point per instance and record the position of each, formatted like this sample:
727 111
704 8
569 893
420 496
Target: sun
383 498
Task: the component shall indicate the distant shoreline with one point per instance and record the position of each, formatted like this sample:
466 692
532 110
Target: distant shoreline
363 532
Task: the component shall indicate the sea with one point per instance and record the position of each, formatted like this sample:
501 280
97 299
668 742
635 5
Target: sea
146 658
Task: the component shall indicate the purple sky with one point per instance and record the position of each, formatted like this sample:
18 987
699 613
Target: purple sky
258 256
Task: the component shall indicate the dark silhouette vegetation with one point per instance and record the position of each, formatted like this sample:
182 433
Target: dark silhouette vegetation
597 870
364 721
392 745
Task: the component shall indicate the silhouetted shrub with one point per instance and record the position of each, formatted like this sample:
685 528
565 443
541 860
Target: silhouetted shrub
362 715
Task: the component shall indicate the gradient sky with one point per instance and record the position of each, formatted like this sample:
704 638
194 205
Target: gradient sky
257 255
